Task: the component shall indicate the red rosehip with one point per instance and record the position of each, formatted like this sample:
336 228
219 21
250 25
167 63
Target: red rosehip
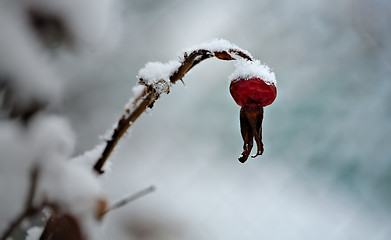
253 91
252 95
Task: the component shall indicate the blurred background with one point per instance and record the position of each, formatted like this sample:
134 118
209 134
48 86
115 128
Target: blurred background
326 169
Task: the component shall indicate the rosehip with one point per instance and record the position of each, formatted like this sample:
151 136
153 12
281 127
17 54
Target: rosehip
253 91
252 95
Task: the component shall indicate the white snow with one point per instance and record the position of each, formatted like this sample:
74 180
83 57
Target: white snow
215 45
90 157
73 186
250 69
29 70
158 74
27 66
34 233
23 62
47 142
51 137
138 91
90 22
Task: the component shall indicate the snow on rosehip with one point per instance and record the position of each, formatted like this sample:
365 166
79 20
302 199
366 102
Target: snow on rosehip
253 86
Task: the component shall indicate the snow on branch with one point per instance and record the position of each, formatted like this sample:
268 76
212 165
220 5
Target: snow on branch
219 46
158 74
156 78
34 144
40 151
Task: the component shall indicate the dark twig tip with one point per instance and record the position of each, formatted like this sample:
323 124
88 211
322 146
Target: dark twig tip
242 159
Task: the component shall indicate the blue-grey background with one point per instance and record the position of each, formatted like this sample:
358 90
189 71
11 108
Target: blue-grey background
326 170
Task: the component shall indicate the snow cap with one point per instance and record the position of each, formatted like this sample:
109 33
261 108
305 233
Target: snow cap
253 69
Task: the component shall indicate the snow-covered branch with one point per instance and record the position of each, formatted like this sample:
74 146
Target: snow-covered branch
156 78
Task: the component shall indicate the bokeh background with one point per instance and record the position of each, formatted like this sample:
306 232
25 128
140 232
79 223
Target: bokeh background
326 169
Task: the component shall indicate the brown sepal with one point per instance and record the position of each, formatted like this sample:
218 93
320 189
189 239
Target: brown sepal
223 55
251 128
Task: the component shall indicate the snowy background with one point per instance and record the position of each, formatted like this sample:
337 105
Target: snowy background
326 169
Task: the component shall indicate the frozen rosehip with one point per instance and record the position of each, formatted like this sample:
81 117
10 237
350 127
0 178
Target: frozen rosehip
253 91
252 95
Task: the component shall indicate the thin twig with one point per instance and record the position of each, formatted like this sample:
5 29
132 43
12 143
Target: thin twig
130 198
150 95
123 124
29 209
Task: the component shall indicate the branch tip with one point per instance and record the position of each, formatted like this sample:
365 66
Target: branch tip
130 198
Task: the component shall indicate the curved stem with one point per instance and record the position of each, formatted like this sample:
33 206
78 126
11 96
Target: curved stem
123 124
150 95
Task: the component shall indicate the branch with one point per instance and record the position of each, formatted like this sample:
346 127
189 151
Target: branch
151 94
123 124
129 199
29 209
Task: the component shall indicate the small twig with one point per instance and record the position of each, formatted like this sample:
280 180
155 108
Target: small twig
130 198
29 209
123 124
149 96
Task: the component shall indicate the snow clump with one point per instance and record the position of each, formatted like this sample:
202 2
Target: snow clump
158 75
253 69
216 45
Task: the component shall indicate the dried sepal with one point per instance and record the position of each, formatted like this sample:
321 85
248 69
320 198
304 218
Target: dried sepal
252 94
251 129
223 55
101 208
